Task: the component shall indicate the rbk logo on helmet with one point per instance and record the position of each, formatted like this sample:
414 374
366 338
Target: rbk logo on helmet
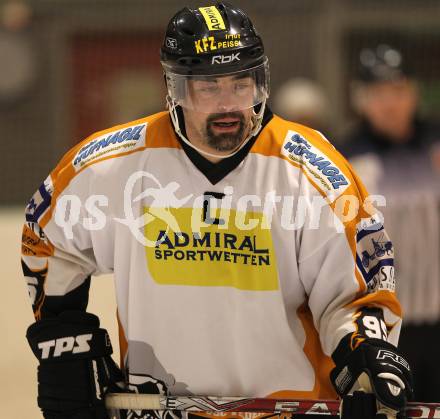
224 59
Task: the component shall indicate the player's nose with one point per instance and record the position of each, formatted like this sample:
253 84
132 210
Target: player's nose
226 102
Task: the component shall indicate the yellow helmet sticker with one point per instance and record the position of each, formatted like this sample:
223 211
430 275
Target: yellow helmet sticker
213 18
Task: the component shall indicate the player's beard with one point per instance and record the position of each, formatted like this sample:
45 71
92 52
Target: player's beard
227 141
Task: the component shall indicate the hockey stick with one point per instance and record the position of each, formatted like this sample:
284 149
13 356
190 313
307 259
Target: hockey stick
206 404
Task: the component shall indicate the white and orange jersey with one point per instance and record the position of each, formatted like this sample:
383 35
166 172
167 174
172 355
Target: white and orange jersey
235 279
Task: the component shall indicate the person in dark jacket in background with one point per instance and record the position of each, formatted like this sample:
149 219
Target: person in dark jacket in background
397 154
391 137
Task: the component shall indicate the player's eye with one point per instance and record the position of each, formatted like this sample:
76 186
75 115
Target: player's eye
207 89
243 87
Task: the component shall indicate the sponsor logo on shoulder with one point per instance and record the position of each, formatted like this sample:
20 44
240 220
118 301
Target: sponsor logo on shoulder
369 225
40 201
323 170
111 144
375 255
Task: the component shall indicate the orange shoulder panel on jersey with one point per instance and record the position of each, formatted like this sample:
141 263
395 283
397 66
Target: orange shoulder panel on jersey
111 143
308 150
33 245
333 177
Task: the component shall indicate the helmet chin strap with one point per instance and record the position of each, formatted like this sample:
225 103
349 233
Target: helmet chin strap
257 119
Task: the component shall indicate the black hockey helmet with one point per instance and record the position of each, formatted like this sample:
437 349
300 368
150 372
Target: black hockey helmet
382 63
211 40
214 62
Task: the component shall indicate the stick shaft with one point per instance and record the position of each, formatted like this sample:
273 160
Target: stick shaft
237 404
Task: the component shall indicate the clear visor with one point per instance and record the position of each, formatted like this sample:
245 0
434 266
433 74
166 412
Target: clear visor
220 93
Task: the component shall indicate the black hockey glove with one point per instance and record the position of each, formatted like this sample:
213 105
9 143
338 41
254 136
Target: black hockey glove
377 364
76 369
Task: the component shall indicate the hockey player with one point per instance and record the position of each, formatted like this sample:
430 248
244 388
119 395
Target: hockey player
237 268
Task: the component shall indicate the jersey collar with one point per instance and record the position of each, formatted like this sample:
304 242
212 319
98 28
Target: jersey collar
215 172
